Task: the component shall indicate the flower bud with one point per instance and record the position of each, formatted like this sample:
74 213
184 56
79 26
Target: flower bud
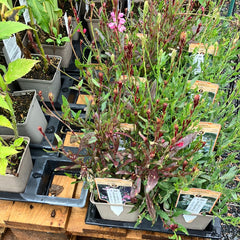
196 100
164 107
100 75
185 163
41 131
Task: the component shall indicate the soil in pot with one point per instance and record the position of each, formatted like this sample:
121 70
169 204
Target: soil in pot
21 105
37 71
14 160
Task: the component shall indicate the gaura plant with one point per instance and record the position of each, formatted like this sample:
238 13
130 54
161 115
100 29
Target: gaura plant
142 121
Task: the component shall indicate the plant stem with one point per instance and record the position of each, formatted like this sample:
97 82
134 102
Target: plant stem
38 41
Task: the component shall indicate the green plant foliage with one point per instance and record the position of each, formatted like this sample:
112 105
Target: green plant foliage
8 28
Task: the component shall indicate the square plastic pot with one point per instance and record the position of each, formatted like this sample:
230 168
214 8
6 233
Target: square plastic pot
106 212
199 223
64 51
11 183
35 118
46 86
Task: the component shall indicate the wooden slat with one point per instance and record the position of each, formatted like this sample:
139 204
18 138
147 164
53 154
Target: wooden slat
81 99
42 217
68 142
66 183
5 211
77 226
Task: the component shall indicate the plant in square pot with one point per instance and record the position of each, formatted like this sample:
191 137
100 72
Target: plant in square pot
49 18
15 158
165 150
46 73
72 9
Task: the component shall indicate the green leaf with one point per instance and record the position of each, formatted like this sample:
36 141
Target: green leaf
95 82
40 14
59 140
3 85
65 39
8 28
93 139
7 151
5 2
3 103
55 31
49 40
3 68
3 165
4 122
18 69
18 142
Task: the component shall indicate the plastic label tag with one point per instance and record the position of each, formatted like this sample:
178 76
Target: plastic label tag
12 49
66 23
195 206
115 197
198 59
26 13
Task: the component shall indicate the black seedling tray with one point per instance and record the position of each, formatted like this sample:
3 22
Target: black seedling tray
53 126
213 230
40 181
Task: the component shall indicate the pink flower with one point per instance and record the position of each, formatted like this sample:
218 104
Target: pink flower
117 23
84 30
180 144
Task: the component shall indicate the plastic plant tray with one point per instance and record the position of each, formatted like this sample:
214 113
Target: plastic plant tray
70 94
40 180
213 230
53 126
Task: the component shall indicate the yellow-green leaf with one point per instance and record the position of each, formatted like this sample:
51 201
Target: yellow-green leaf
8 28
3 165
3 103
18 69
4 122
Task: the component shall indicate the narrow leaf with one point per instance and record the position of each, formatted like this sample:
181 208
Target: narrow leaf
152 179
151 208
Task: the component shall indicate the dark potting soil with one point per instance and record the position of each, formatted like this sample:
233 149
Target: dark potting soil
38 72
44 36
21 106
14 160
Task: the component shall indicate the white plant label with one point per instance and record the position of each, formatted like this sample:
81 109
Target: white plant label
76 6
115 197
66 23
195 206
198 59
12 49
26 13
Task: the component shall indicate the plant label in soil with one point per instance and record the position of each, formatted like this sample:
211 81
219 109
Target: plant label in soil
203 86
66 23
118 185
26 13
210 132
197 201
115 197
12 50
198 60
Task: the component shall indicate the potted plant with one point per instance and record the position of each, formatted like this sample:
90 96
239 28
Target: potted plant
163 152
16 162
50 26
